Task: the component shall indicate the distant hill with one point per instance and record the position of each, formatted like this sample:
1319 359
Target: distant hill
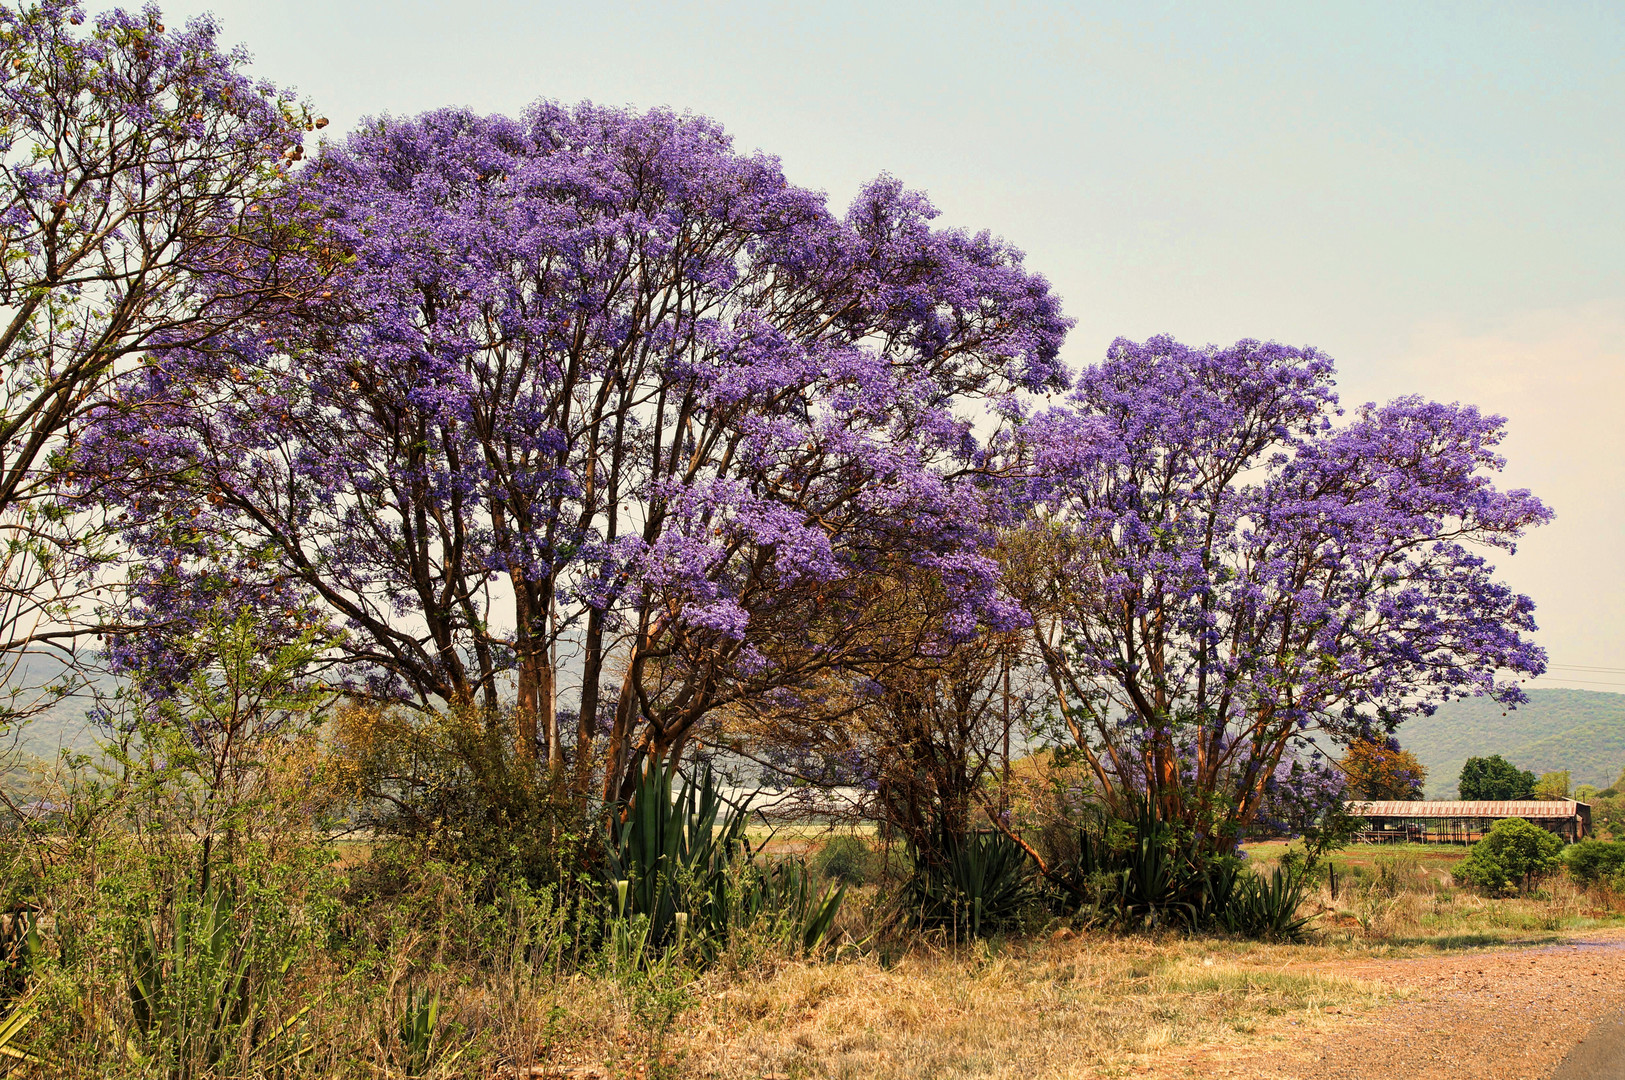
62 726
1582 731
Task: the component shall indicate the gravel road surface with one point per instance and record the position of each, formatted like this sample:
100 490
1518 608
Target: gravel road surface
1548 1011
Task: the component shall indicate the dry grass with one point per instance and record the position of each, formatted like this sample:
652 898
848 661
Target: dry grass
1085 1006
1054 1005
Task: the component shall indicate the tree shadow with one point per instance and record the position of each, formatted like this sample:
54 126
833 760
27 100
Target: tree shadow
1477 941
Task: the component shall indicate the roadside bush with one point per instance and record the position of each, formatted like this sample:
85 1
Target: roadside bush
1515 854
1592 862
453 787
847 859
1146 873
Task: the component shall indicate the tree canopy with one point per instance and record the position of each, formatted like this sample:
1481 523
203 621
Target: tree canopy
588 423
1494 777
1217 567
598 398
143 207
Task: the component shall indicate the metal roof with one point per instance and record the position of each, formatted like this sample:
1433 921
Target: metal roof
1524 808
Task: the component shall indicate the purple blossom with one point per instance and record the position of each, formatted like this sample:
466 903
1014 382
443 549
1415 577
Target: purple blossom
591 380
1234 565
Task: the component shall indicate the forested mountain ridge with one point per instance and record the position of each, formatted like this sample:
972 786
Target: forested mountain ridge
1582 731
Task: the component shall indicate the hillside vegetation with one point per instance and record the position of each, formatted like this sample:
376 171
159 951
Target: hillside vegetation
1582 731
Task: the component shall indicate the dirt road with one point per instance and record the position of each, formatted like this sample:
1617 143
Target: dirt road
1512 1014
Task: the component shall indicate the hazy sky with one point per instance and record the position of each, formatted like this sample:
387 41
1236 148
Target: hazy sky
1432 193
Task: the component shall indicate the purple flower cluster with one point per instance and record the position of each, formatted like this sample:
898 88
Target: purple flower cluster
1235 565
591 382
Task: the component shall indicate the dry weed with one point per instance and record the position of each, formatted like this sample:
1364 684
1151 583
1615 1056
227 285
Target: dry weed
1056 1009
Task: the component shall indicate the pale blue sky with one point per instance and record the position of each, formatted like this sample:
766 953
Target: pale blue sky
1430 192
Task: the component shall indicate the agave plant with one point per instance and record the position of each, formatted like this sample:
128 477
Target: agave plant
680 867
1268 907
419 1045
11 1032
979 883
191 991
20 950
782 896
674 856
199 990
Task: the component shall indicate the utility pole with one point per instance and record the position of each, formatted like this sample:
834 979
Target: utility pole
1004 792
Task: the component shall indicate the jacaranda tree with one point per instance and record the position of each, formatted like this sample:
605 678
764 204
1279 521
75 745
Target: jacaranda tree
1220 566
142 206
605 417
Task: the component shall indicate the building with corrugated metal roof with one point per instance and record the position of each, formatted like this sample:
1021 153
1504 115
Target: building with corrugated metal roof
1434 822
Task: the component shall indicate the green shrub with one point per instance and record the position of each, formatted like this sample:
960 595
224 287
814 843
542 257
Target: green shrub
1514 854
452 787
847 859
1145 873
1593 861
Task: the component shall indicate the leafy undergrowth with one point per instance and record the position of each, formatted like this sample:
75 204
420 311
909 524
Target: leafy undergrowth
421 974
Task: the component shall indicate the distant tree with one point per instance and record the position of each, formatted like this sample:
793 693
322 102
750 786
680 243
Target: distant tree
1494 777
1608 816
1585 792
1381 770
1514 854
1552 785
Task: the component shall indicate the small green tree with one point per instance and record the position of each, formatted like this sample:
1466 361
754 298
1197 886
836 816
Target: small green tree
1552 785
1515 854
1594 861
1494 777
